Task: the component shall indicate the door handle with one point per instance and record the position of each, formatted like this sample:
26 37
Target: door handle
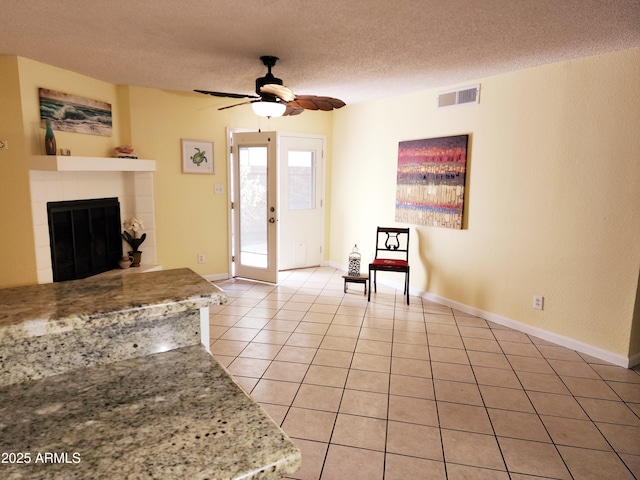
272 220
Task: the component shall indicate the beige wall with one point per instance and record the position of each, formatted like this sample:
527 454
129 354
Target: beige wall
552 206
190 219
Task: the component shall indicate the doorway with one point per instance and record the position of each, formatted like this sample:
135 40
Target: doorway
277 198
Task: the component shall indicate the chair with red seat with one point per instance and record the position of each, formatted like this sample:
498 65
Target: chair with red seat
391 255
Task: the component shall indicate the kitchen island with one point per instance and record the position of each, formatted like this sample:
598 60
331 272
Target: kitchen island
140 397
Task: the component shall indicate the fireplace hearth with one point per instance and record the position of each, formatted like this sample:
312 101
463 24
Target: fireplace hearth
85 237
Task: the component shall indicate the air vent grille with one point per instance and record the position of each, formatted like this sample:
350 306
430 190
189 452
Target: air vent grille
461 96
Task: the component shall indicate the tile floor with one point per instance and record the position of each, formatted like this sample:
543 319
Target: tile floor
382 390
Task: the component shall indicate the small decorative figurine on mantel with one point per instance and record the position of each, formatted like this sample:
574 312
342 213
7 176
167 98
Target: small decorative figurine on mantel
125 151
134 241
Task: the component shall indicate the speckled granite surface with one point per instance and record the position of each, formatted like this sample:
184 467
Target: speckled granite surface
58 307
54 328
170 415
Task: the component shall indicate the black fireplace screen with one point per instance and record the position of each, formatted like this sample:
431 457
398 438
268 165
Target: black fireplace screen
85 237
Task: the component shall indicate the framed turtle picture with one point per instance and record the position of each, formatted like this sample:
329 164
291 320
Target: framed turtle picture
197 156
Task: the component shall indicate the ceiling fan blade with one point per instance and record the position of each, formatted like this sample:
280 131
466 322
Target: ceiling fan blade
290 111
238 104
280 91
226 95
315 102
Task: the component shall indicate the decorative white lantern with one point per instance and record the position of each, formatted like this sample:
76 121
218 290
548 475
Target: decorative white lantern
354 262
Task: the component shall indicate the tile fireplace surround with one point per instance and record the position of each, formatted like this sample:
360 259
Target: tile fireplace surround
53 180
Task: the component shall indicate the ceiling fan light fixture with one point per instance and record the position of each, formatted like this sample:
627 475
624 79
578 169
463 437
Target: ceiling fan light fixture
268 109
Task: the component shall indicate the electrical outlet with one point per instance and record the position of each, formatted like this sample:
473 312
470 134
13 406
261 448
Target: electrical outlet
201 258
538 302
4 145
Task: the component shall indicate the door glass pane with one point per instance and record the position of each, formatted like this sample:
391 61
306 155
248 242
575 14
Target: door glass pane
253 206
301 191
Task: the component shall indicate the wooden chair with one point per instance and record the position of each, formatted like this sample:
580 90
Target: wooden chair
391 255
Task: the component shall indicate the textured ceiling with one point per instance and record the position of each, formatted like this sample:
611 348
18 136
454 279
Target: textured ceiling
356 50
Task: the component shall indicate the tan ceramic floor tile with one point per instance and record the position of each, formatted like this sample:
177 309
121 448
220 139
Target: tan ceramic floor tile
556 405
586 387
526 426
453 372
309 424
373 363
412 338
339 343
399 467
373 347
332 358
448 355
311 328
263 351
361 432
286 371
276 412
482 345
353 464
530 364
629 392
273 391
608 411
476 332
313 454
248 367
487 359
413 410
411 367
290 353
368 381
418 387
533 458
327 376
470 418
465 472
414 440
445 341
472 449
457 392
506 399
228 347
272 337
593 465
623 438
304 340
367 404
282 325
416 352
317 397
539 382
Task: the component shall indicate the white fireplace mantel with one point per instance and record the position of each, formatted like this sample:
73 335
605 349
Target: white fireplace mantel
58 163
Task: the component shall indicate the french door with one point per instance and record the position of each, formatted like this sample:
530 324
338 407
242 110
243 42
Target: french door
301 225
255 209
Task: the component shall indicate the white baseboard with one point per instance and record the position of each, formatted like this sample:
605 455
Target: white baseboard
217 276
578 346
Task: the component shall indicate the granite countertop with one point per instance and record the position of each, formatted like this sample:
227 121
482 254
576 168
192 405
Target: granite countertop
36 310
175 414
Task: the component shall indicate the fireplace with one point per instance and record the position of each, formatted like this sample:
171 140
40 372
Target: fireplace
85 237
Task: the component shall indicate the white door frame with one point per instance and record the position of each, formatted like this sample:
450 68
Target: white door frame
229 134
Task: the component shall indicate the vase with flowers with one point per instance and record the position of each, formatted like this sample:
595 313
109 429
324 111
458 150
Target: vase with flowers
134 239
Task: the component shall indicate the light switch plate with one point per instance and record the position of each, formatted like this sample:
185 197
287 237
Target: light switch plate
219 189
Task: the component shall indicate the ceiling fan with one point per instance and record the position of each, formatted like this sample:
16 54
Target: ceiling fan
274 99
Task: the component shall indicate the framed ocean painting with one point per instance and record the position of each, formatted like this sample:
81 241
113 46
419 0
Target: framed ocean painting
72 113
197 156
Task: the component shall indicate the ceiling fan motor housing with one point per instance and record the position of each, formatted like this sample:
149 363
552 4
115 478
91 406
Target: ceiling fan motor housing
268 61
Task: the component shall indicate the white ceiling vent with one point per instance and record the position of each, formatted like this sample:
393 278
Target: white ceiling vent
461 96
